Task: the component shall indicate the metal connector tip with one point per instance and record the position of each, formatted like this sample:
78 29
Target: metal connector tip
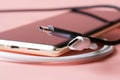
48 29
41 28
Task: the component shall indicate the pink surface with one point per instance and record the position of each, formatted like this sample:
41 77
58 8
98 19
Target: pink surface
107 69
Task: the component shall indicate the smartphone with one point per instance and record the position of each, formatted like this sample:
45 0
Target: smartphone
28 39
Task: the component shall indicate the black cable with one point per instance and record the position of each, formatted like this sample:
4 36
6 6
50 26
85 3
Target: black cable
96 40
100 6
57 9
105 42
90 15
75 34
75 8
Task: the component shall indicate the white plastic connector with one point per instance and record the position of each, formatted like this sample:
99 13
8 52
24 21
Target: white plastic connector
81 43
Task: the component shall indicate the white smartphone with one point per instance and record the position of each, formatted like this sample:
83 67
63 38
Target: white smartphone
28 39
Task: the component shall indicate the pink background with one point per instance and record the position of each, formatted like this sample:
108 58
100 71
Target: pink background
107 69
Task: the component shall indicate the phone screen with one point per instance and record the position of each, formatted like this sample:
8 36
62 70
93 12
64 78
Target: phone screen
71 21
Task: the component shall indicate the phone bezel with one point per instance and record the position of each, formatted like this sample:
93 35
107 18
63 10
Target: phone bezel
32 48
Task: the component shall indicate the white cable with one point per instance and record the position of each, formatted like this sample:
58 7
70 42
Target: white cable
14 57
